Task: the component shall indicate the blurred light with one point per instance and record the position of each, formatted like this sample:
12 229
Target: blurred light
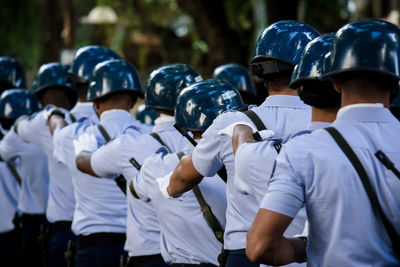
100 15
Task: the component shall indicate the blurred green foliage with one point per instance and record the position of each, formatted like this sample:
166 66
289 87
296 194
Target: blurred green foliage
154 32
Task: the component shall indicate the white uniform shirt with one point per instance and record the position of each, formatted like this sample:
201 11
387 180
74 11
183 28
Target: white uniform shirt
33 170
100 204
312 170
186 236
285 115
9 193
61 202
143 231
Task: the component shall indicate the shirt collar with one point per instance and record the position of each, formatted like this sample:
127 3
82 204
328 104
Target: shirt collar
316 125
83 107
164 118
116 114
361 105
366 113
162 126
284 101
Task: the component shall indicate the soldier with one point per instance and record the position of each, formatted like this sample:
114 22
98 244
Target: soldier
162 88
52 90
32 171
282 111
188 236
100 214
333 172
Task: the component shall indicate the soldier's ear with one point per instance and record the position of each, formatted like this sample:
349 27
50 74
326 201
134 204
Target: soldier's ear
337 85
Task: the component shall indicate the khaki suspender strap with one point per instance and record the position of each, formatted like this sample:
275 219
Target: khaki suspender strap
348 151
14 172
255 119
120 180
104 133
72 117
158 138
207 212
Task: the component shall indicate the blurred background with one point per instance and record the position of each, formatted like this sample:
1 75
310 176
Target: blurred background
150 33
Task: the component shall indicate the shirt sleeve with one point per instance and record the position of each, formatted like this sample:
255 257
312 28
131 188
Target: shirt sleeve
108 161
27 129
206 155
11 146
285 192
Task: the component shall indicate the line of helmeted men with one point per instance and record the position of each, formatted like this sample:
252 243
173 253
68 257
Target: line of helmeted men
202 178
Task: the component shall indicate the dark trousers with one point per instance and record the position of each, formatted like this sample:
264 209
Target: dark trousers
58 244
9 249
238 258
147 261
31 250
100 250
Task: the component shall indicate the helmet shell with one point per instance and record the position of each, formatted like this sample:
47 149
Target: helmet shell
87 57
164 84
284 41
199 104
12 72
146 115
52 75
17 102
236 75
114 76
312 60
365 45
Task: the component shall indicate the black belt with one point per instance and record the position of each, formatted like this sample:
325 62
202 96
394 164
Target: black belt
192 265
27 217
10 234
85 241
138 260
60 225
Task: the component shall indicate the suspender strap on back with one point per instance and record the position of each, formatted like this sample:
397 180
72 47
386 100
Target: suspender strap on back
207 212
158 138
72 117
255 119
14 172
120 180
348 151
208 215
104 133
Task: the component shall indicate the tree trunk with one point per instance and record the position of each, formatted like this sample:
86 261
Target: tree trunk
224 44
52 27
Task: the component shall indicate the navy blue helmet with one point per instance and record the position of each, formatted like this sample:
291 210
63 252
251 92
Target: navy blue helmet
146 115
54 75
114 76
365 45
307 75
199 104
17 102
280 45
238 76
87 57
165 83
12 73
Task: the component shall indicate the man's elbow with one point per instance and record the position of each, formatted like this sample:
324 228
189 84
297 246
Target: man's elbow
80 161
258 248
